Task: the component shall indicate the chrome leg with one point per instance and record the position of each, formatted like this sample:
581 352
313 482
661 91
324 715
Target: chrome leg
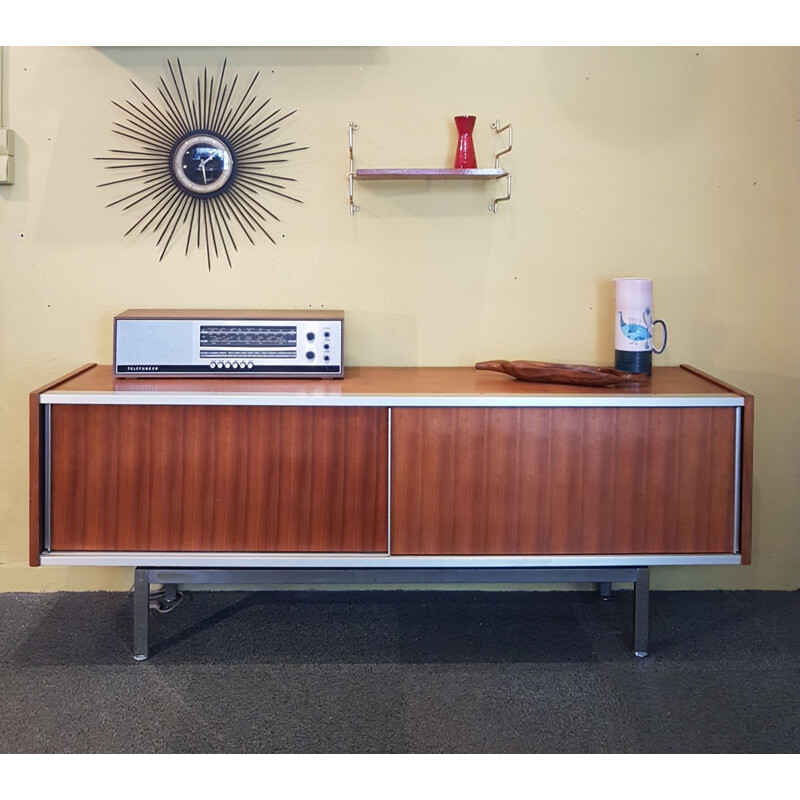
141 609
641 612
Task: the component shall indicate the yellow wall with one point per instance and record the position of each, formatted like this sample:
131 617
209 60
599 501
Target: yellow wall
678 164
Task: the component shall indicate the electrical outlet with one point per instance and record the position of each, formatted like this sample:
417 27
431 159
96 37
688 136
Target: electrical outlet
6 169
6 142
6 155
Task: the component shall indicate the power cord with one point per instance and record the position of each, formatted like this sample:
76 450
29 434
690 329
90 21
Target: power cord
159 601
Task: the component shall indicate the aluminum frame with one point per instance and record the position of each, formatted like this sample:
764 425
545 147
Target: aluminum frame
245 398
228 560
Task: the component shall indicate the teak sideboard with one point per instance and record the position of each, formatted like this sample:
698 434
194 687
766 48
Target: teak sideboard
399 474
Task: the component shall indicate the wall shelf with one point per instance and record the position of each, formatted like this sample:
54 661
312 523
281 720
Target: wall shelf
427 174
394 174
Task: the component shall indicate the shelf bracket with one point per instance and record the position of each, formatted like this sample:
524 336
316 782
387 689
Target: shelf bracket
493 206
496 127
351 174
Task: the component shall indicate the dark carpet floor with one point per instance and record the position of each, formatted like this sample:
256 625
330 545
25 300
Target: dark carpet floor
401 672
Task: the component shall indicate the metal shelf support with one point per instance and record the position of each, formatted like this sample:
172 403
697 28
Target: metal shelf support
352 173
496 127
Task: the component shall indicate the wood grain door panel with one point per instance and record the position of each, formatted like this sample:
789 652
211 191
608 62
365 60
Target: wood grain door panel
560 481
219 478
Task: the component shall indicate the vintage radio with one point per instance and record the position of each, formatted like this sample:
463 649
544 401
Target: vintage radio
160 343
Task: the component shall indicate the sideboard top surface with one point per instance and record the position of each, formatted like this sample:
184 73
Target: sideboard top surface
387 386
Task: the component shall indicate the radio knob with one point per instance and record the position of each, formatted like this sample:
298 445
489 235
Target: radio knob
227 365
310 336
310 355
213 365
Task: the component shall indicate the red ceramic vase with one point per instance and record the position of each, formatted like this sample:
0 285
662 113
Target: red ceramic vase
465 150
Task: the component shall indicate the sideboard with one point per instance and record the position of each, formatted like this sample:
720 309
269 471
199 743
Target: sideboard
389 474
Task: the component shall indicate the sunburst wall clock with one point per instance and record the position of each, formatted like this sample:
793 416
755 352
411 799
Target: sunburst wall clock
199 166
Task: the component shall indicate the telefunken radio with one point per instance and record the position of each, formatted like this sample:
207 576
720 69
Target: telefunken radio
159 343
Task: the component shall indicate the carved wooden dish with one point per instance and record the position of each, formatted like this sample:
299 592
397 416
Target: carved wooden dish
572 374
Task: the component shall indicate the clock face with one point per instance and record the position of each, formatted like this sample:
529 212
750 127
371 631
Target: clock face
202 164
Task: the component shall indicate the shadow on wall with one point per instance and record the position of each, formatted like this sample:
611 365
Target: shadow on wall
133 58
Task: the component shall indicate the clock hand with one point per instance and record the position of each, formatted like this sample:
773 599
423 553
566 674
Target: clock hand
203 167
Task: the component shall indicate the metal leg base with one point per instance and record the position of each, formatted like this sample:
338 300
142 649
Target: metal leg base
171 598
